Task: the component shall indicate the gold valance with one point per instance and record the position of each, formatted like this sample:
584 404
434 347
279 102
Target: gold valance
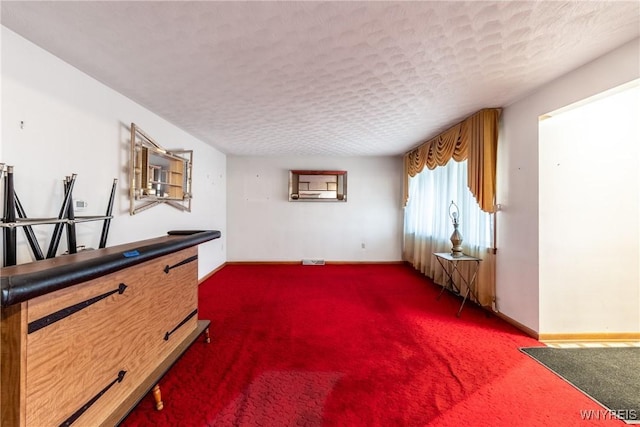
474 139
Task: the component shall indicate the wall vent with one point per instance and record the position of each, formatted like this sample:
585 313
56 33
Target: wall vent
312 262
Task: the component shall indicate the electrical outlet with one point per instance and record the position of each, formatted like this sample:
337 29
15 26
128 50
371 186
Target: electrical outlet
363 246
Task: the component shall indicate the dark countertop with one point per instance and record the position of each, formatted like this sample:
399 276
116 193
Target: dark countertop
22 282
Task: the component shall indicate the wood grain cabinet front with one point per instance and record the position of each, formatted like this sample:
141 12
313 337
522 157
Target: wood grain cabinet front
86 352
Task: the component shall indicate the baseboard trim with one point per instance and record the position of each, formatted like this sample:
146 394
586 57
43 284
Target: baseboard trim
300 262
527 330
264 262
591 337
211 273
364 262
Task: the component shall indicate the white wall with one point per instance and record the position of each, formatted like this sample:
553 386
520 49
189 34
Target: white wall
517 269
74 124
589 217
265 226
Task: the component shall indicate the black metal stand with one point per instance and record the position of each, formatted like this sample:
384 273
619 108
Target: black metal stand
107 221
72 244
64 210
9 235
14 216
28 230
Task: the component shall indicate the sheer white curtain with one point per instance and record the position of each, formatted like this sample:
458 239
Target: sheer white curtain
427 226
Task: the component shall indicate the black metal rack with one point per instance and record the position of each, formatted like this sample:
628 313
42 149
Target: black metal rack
14 217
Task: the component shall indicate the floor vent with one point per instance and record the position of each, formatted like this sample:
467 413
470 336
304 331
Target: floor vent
312 262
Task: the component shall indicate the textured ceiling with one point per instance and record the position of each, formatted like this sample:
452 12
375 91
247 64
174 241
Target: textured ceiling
323 78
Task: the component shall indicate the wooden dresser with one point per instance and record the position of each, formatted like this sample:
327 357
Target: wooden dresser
86 336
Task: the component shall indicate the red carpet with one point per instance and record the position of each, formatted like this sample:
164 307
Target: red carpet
355 345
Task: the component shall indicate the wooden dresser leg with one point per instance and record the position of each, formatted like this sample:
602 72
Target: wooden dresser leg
207 339
158 397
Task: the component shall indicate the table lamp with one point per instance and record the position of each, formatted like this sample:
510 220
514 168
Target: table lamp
456 237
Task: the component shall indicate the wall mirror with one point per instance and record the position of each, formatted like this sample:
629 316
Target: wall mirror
317 186
158 175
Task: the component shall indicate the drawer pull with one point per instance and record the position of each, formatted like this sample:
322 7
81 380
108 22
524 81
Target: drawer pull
185 320
68 311
93 400
183 262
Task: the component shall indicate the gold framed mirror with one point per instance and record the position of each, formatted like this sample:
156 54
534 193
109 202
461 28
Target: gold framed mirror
158 175
317 186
